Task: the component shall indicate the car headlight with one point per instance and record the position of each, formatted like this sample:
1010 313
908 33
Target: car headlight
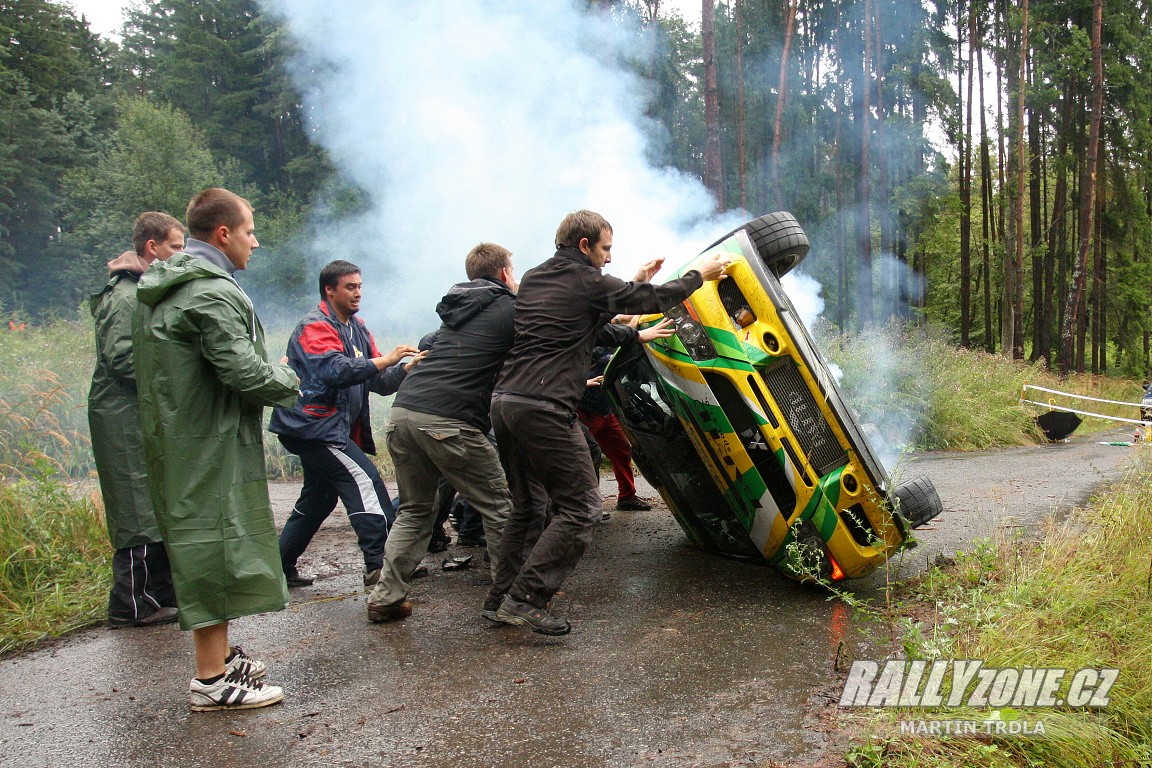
692 333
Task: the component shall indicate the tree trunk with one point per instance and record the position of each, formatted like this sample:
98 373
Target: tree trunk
1087 198
781 98
741 124
965 156
1012 321
864 183
713 168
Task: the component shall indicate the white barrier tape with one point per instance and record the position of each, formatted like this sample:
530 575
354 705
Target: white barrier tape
1087 413
1078 397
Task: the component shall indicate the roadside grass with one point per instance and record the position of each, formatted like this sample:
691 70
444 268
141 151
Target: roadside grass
926 394
56 565
1078 598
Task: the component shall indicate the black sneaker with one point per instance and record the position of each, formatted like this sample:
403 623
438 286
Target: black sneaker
512 611
634 504
163 615
471 541
295 579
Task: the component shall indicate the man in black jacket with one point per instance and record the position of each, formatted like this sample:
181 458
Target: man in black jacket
439 423
561 307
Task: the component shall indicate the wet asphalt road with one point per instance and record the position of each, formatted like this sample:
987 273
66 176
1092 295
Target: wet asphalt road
677 658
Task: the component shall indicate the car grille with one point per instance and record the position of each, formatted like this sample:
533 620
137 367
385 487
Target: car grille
804 417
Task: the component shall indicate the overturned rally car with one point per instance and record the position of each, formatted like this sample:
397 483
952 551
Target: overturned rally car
738 423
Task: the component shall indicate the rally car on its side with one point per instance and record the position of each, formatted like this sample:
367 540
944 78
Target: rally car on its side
738 423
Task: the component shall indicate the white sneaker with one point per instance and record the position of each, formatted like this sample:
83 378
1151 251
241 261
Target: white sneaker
241 662
233 691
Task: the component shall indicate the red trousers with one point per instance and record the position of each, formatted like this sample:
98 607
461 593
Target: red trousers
610 437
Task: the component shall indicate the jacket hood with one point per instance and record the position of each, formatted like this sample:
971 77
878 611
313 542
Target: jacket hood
163 276
129 261
466 300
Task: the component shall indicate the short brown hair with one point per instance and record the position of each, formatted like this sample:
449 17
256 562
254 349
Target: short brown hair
212 208
153 225
486 260
578 225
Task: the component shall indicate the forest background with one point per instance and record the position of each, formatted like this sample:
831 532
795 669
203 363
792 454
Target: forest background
979 167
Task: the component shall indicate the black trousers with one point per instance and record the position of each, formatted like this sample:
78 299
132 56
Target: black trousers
332 473
141 582
555 491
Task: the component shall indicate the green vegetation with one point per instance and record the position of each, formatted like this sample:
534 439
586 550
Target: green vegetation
949 398
1076 599
56 564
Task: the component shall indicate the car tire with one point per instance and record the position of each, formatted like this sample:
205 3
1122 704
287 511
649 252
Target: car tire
779 240
917 501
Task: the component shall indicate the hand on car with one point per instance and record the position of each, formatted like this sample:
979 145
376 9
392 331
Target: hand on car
712 268
658 331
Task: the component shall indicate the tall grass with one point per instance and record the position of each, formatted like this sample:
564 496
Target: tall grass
55 562
925 394
1077 599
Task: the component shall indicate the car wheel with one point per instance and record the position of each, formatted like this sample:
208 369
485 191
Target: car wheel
779 241
917 501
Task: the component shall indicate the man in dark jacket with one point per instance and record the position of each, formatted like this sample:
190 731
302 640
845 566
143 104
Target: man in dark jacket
561 307
330 426
439 423
141 593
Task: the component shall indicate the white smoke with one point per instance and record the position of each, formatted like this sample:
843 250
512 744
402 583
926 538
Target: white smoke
484 121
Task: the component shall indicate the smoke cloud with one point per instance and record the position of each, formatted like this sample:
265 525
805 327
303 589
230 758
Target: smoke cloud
488 121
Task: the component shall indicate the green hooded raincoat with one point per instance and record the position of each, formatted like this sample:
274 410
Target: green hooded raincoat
203 379
114 419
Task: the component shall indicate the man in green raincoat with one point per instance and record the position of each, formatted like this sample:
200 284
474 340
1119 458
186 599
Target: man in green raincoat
203 378
141 593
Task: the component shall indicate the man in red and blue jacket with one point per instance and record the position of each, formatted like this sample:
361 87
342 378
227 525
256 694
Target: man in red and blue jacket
330 427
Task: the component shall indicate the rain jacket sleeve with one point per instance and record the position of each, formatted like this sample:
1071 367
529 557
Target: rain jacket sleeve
229 348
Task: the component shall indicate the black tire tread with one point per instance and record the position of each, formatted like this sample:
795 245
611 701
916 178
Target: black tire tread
917 501
779 240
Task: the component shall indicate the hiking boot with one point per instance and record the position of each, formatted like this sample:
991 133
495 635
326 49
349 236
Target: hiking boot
238 661
234 690
512 611
439 541
163 615
371 579
401 609
634 504
471 541
295 579
491 605
419 572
